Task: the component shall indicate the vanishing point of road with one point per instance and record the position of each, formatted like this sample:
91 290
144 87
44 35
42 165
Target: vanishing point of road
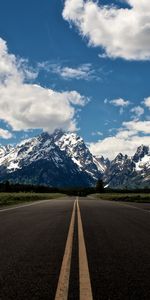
75 248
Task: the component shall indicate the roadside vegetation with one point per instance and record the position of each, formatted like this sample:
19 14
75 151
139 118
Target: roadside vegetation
17 198
128 197
15 193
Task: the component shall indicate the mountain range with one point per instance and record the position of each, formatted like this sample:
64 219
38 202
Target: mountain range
62 159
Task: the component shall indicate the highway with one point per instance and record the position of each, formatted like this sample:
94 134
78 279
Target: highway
75 248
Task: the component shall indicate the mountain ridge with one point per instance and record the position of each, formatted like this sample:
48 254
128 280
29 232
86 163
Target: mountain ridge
63 159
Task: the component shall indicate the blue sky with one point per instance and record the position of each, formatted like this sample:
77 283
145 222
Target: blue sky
65 64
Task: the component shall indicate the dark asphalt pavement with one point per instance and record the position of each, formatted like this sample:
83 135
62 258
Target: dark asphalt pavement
32 242
118 247
117 238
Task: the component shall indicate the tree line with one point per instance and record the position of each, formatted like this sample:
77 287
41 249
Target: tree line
9 187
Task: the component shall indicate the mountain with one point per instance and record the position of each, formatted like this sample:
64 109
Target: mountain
101 163
142 165
131 172
80 154
62 159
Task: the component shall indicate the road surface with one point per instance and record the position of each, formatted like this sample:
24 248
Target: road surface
75 249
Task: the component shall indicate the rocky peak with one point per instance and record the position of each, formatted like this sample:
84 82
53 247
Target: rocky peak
140 153
76 148
5 149
102 163
57 134
119 157
44 136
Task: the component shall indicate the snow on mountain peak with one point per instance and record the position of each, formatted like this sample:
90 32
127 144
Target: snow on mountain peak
140 153
76 148
142 158
68 151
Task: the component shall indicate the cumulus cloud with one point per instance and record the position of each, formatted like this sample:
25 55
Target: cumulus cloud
12 68
119 32
111 146
119 103
138 126
137 111
147 102
128 138
5 134
24 105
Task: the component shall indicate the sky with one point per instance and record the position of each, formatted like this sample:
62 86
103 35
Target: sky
77 65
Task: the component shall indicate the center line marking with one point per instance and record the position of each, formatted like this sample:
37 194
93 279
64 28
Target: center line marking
63 282
84 276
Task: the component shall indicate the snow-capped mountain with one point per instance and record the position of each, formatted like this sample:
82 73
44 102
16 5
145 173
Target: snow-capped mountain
101 163
80 154
4 150
63 159
142 165
59 159
129 172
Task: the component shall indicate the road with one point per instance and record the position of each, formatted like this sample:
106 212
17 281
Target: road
75 249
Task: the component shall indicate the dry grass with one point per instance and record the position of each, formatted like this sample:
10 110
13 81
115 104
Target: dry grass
138 197
16 198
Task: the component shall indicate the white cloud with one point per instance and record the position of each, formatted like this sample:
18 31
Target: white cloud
147 102
120 102
12 68
137 111
84 71
111 146
128 138
28 106
119 32
138 126
5 134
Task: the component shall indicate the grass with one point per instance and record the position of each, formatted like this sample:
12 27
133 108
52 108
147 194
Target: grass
17 198
138 197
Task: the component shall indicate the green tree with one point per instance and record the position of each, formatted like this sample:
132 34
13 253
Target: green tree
99 186
7 186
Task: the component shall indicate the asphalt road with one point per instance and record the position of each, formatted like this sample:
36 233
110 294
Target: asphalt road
108 251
